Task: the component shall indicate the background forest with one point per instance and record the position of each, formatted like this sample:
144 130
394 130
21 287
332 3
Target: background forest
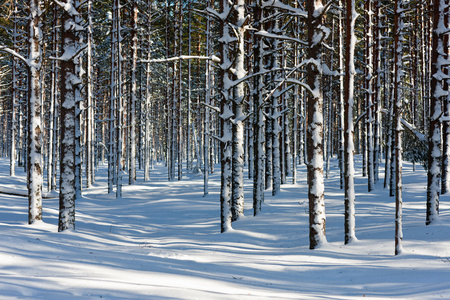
262 86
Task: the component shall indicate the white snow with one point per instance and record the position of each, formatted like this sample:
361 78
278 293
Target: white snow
162 241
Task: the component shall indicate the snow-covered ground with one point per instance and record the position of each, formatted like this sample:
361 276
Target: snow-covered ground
163 241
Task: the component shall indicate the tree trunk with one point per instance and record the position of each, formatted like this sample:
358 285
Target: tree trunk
14 94
70 97
226 114
207 124
369 97
134 38
314 134
398 102
238 126
35 130
341 100
89 145
349 188
437 92
258 121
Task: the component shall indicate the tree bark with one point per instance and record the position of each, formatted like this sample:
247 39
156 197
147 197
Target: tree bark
434 133
349 188
314 134
70 97
35 130
258 121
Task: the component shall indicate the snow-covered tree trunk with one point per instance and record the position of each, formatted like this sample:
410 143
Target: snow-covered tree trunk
168 99
70 96
437 93
369 96
89 145
206 124
258 120
14 93
341 139
189 92
285 123
78 123
388 140
52 137
35 166
314 134
250 152
112 163
295 119
349 78
329 111
134 58
226 113
238 111
273 118
269 149
445 170
179 131
119 104
148 96
398 102
378 75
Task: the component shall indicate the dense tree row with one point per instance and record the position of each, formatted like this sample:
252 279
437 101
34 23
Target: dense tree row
256 85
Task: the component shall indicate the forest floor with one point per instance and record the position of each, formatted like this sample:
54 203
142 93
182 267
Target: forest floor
162 240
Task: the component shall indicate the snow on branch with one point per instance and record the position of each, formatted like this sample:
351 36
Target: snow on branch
266 34
221 16
420 136
278 4
326 71
302 84
69 55
181 57
14 53
211 107
68 7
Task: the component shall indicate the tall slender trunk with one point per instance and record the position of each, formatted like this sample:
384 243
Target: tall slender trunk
134 58
445 169
35 130
148 95
120 107
398 102
226 114
258 121
349 188
14 94
296 96
369 97
112 146
189 93
314 139
178 149
70 97
378 89
207 125
53 118
341 99
90 169
238 111
437 93
275 114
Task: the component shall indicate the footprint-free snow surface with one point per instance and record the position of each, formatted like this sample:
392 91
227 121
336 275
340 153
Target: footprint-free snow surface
162 240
